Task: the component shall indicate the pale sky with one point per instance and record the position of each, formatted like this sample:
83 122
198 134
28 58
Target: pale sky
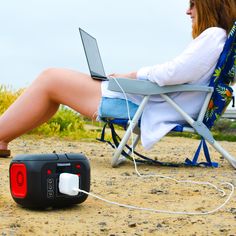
39 34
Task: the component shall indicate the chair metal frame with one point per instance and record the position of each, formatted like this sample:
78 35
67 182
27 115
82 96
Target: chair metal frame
146 89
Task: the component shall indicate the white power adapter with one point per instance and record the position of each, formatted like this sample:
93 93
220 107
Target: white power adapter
69 184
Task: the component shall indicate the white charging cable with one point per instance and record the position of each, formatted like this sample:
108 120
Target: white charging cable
161 211
68 184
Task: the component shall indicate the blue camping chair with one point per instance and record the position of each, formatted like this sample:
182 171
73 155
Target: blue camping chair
219 95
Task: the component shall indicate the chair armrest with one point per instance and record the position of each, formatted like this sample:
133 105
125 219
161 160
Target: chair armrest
145 88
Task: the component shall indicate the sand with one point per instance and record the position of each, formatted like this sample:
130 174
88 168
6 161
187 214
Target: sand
94 217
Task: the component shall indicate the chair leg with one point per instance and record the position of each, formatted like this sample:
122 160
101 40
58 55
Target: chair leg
115 159
136 140
207 135
118 158
224 153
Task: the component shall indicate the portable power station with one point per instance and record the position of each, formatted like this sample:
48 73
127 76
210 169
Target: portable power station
34 179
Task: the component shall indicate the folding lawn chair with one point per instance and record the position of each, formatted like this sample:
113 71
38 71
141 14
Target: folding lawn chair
219 94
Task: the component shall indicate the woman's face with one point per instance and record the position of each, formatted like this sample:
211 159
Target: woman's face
192 12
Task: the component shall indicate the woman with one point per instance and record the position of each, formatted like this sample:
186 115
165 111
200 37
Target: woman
211 21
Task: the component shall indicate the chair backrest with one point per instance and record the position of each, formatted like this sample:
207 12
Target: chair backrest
222 79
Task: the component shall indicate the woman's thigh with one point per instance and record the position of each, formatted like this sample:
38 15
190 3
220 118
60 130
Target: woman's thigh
72 88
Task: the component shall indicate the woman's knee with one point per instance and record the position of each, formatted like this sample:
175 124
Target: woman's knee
47 79
47 76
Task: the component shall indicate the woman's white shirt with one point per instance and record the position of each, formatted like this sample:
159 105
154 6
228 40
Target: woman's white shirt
194 65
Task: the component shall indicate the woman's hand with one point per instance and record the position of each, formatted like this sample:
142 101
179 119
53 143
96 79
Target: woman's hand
131 75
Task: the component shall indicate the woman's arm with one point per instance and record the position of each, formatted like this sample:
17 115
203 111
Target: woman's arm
131 75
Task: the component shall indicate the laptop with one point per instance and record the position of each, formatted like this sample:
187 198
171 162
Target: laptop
93 56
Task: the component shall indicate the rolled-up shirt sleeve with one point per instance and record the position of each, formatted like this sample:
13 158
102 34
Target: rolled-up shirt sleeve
193 63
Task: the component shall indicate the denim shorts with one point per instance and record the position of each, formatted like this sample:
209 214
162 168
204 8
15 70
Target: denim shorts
116 108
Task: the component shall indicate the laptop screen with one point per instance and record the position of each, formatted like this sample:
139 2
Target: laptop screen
92 54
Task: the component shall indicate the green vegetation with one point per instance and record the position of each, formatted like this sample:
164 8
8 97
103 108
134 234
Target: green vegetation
68 124
7 97
225 129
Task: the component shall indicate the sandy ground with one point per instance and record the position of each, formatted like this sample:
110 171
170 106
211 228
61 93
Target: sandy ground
94 217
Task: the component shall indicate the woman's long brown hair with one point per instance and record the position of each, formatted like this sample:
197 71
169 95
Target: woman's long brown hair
214 13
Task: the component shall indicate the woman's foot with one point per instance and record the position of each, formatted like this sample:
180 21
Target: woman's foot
5 153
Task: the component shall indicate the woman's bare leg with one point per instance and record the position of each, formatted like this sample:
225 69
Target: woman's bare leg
42 99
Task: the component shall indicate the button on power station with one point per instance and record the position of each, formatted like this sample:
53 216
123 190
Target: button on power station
50 188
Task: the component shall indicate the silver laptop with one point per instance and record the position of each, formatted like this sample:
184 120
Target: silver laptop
93 56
